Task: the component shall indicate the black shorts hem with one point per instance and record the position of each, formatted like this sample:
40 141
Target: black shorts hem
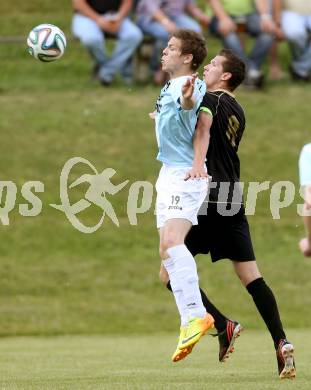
224 237
231 258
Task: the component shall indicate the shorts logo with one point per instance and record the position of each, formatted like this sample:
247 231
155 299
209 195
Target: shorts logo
174 207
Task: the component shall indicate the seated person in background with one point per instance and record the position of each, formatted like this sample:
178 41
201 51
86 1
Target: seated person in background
296 25
159 18
232 15
92 21
275 68
305 181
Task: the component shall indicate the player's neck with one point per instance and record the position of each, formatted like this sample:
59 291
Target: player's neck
214 89
180 73
219 87
227 91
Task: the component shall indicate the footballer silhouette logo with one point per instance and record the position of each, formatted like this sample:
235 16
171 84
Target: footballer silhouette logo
99 186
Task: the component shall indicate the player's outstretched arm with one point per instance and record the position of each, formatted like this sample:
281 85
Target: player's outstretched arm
200 144
187 101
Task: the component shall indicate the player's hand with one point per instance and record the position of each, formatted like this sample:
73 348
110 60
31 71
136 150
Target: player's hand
152 115
226 26
196 173
304 247
188 88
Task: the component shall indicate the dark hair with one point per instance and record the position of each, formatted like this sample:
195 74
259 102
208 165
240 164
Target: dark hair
192 43
234 65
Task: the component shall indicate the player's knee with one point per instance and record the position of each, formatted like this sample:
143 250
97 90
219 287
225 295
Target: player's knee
169 241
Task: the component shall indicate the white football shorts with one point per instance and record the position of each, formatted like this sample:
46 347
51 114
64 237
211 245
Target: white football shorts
177 198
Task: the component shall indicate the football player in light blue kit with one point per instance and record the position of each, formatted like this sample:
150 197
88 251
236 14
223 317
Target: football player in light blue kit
183 180
305 181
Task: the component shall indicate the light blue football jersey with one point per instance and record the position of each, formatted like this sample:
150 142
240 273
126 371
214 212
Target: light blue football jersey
305 165
175 126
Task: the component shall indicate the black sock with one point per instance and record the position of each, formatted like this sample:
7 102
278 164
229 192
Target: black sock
220 319
268 308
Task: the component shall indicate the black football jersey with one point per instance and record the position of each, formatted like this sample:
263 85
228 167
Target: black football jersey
227 128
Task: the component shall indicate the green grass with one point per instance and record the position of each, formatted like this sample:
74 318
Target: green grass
143 362
19 18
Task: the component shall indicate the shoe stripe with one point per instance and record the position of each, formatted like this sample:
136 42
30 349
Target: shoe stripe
229 331
184 341
235 332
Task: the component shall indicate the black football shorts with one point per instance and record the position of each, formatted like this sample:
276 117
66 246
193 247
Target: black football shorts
224 237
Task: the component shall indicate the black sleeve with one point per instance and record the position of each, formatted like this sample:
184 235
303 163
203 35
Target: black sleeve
209 103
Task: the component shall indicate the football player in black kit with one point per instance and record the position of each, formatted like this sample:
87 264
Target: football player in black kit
223 229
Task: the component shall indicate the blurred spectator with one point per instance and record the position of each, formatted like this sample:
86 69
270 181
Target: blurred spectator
93 21
159 18
233 16
296 25
275 69
305 181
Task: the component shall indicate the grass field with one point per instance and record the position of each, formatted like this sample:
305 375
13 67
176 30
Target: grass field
143 362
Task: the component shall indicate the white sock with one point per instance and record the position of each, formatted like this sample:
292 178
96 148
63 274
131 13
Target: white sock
185 272
177 291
